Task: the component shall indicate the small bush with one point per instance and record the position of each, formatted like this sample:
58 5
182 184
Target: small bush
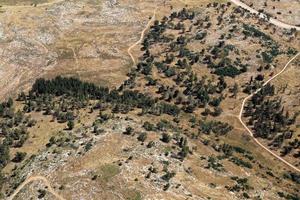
142 137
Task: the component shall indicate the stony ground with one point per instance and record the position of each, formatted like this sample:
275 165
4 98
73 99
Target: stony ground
89 39
284 10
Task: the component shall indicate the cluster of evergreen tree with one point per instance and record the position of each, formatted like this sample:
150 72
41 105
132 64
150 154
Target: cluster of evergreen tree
183 14
6 109
176 66
295 177
241 185
68 86
251 31
78 91
74 88
216 127
269 120
253 84
273 48
62 97
13 133
225 66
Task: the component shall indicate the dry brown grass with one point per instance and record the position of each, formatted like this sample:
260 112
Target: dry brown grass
22 2
86 39
284 10
97 52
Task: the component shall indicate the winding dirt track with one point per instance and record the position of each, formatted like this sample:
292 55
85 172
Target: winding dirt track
261 15
44 179
36 178
249 130
273 21
141 38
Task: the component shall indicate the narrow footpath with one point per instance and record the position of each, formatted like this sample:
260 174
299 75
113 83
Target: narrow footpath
250 131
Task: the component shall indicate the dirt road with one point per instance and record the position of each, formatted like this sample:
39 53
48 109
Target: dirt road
44 179
141 37
36 178
248 129
271 20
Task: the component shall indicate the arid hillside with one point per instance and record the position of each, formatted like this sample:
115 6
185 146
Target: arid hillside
147 100
87 39
283 10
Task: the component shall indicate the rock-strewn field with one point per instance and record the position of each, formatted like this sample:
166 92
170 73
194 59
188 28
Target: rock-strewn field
86 39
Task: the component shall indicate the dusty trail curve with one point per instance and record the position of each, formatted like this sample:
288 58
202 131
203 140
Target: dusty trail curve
36 178
42 178
273 21
249 130
141 38
261 15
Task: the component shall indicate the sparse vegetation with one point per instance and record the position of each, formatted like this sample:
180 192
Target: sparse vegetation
174 112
